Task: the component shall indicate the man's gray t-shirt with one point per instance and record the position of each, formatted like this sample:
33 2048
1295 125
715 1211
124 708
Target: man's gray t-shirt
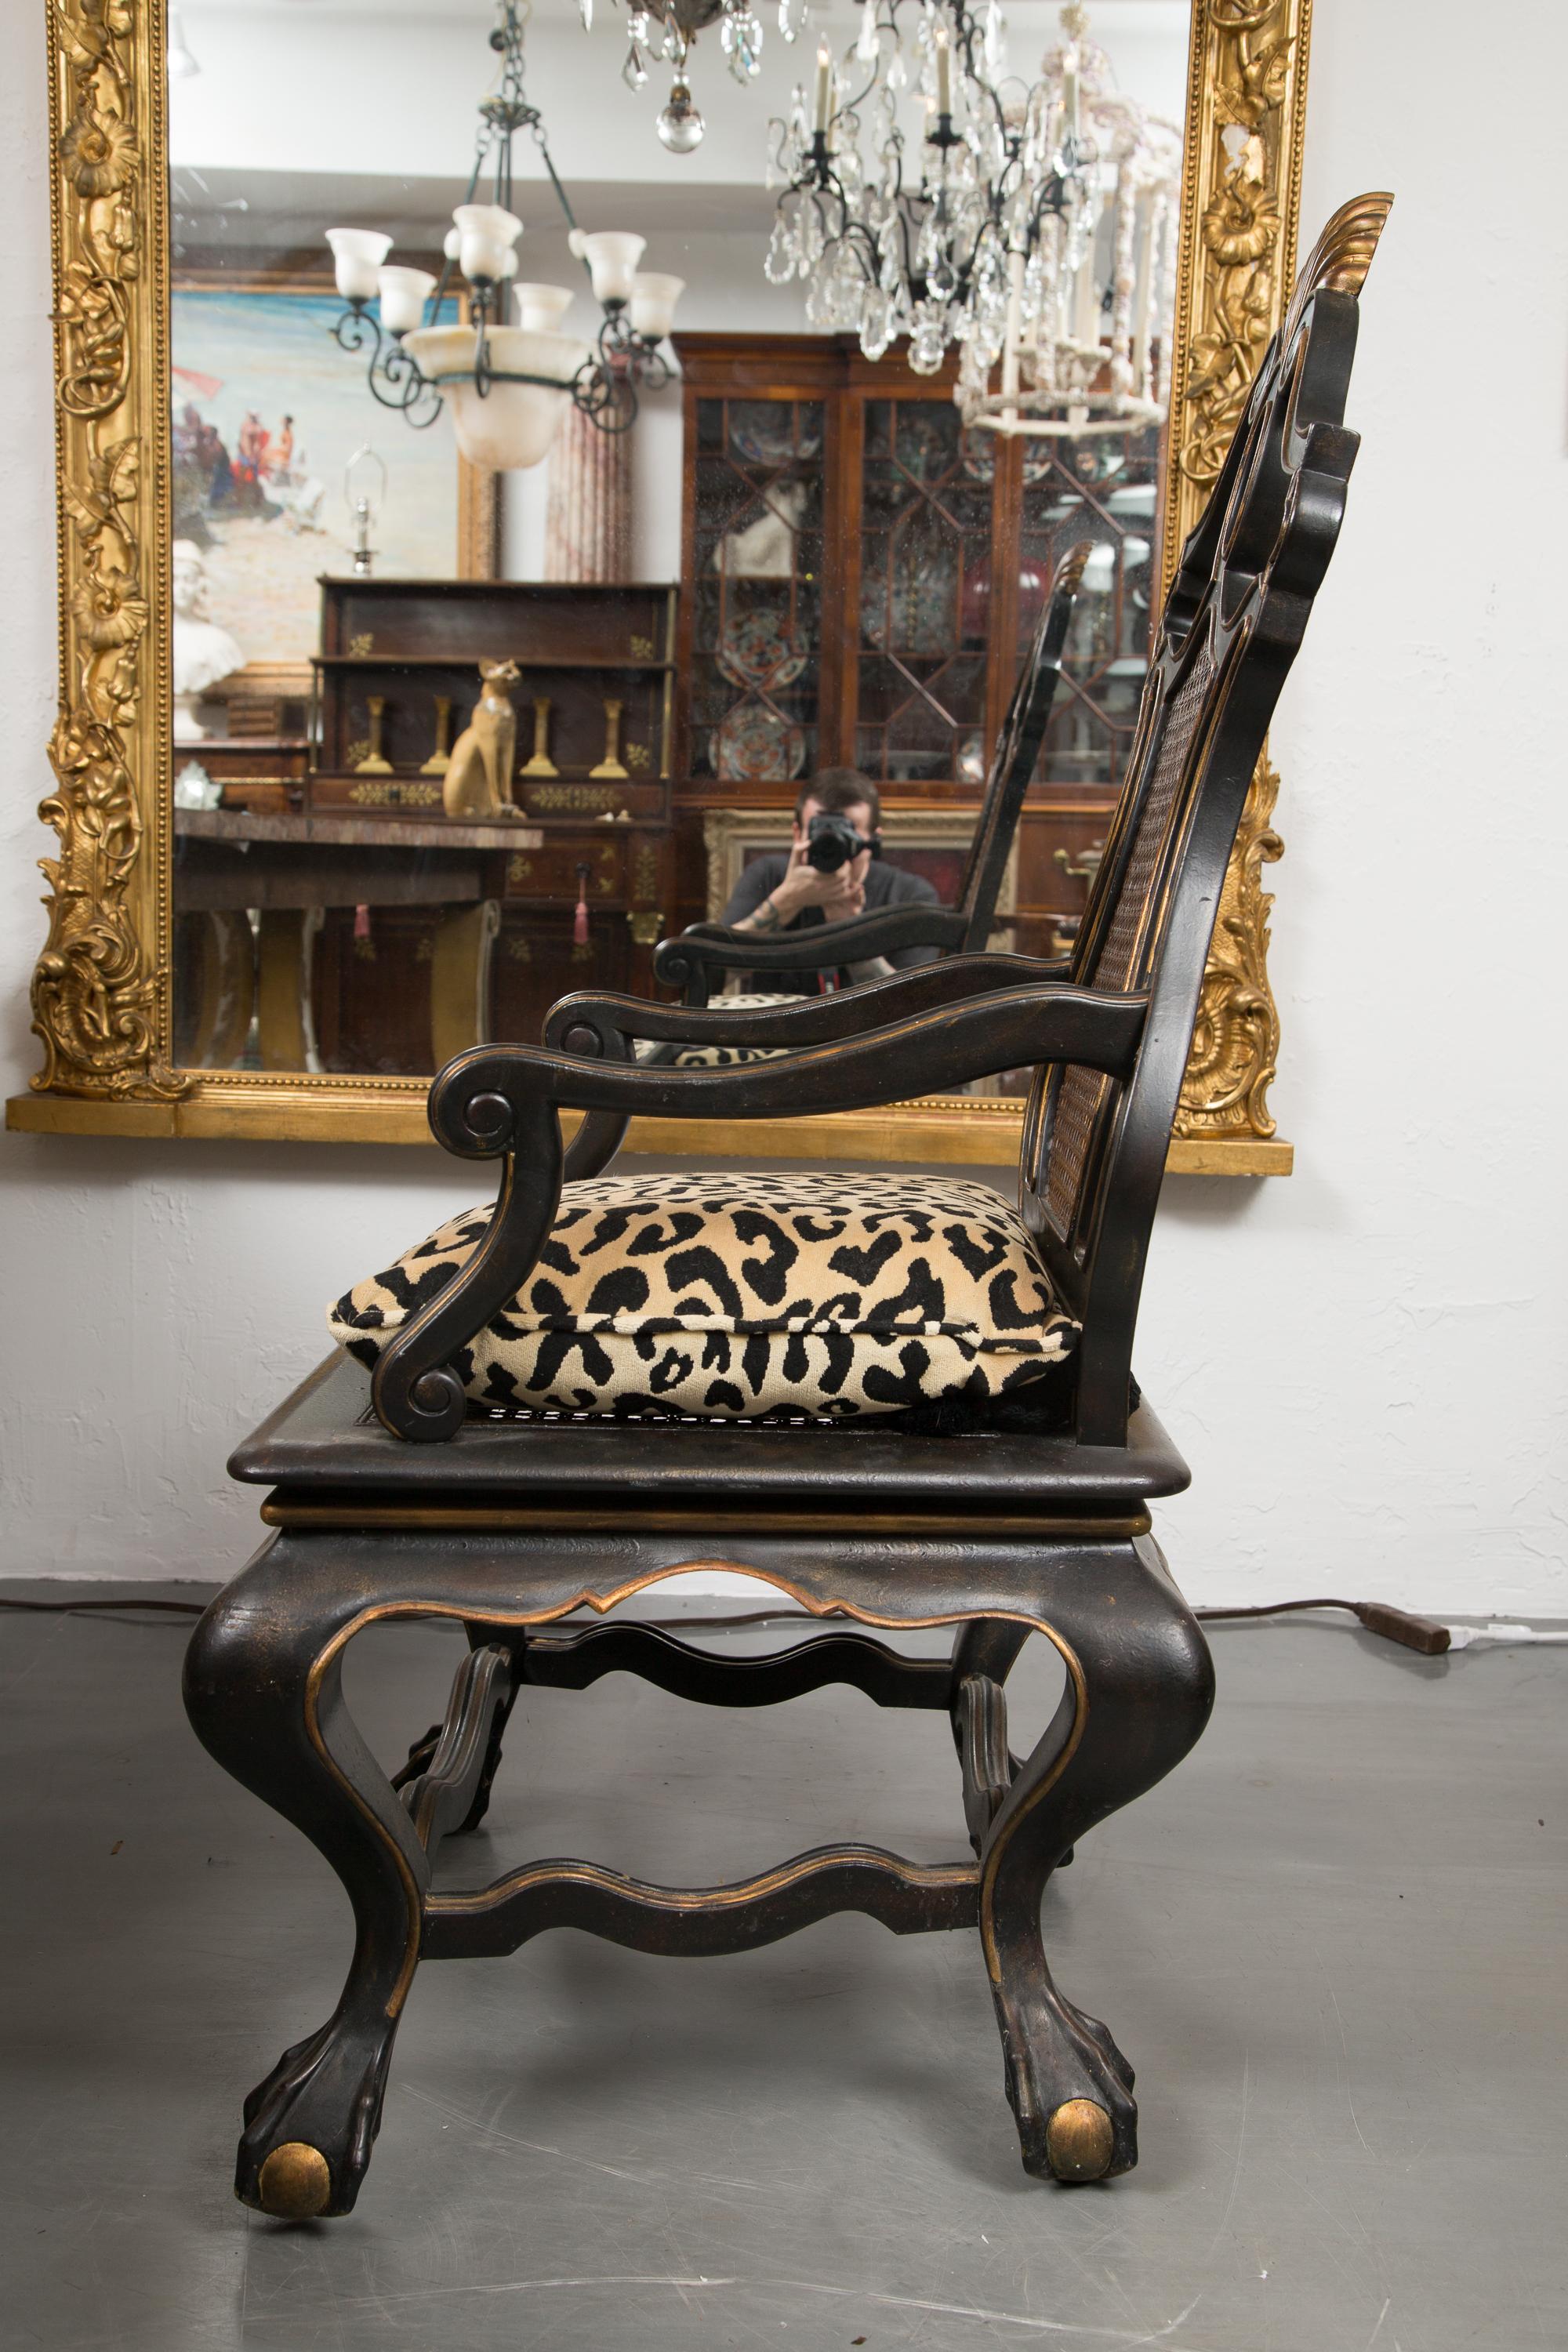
886 885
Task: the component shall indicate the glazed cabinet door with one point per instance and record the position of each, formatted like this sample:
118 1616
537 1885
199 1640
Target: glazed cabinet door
758 700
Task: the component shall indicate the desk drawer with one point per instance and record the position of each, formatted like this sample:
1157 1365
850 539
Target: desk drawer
551 875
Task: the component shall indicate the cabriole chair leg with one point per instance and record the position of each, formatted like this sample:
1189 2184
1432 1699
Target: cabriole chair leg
263 1693
1136 1700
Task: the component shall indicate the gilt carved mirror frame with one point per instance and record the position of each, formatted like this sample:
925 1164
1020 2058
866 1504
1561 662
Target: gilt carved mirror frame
102 998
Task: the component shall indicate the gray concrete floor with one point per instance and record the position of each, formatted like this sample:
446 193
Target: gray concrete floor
1331 1945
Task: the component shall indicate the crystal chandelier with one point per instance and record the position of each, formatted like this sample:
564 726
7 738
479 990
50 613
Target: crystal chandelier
663 32
1031 225
508 385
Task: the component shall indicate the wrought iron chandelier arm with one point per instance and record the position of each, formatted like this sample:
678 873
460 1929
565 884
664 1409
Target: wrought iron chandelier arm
969 31
537 128
609 403
390 366
413 389
352 327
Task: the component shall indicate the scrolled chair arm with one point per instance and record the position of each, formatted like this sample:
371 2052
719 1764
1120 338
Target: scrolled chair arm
602 1026
599 1025
504 1102
690 959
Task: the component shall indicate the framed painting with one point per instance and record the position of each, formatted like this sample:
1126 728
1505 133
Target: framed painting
268 417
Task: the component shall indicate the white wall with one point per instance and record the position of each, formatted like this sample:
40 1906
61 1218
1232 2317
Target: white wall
347 75
1363 1363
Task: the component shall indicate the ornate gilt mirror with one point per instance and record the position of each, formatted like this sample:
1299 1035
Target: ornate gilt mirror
288 883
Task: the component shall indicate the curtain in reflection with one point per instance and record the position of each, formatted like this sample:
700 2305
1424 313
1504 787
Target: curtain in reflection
588 521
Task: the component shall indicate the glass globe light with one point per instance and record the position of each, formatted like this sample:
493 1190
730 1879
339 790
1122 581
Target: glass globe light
680 126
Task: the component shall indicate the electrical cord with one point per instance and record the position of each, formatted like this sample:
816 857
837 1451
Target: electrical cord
103 1608
1422 1634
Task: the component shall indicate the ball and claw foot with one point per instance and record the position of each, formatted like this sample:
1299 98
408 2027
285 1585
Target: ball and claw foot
295 2183
1080 2141
311 2127
1089 2133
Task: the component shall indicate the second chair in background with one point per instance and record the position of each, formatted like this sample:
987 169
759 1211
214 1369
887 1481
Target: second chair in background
699 957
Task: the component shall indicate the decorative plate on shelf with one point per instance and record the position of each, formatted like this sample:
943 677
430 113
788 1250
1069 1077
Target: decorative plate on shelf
923 442
764 431
911 609
755 745
761 650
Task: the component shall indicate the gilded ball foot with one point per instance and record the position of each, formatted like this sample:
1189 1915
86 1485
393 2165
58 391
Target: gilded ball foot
1080 2140
295 2182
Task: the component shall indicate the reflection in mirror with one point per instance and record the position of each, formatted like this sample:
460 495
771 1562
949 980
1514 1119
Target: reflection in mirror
451 742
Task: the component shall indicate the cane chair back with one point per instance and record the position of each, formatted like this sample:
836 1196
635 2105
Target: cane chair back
1094 1147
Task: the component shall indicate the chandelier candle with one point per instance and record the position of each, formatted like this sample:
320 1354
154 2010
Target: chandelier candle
824 87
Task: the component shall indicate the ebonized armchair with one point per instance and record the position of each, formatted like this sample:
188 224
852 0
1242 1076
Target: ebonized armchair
1014 1500
705 952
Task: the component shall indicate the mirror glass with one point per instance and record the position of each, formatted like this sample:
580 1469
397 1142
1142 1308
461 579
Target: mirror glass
450 741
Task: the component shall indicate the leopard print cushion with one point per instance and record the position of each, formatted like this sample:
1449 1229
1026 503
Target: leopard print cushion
730 1292
721 1057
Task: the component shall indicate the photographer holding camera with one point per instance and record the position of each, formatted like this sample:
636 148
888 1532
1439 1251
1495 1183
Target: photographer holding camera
833 870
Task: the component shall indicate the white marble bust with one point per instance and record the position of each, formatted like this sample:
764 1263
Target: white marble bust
765 549
203 652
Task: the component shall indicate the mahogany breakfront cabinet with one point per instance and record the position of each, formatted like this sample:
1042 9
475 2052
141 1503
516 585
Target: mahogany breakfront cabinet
860 580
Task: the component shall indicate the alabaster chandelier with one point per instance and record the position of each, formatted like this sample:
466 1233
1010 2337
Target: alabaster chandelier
508 383
929 193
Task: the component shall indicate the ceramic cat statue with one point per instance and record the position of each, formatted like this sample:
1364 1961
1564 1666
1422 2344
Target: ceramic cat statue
478 774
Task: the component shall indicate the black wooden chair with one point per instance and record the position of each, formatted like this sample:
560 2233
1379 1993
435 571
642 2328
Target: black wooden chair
702 954
1010 1497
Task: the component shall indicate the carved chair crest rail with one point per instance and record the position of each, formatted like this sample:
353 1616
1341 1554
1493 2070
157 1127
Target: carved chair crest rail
508 1519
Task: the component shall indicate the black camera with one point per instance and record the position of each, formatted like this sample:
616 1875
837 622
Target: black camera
832 841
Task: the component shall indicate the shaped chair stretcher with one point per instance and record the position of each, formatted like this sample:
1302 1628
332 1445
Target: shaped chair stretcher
407 1485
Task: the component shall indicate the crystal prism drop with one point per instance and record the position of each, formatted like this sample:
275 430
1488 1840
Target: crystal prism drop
779 266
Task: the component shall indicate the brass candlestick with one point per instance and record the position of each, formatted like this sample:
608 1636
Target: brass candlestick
372 764
541 764
610 765
435 765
